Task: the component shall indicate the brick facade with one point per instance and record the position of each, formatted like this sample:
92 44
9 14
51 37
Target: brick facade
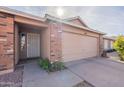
52 48
6 42
55 42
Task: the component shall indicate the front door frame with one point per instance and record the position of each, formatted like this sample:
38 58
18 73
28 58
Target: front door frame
26 50
38 44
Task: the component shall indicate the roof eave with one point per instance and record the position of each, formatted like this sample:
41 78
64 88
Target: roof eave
105 37
19 13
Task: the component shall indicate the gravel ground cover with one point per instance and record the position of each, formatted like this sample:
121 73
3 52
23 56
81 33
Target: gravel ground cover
13 79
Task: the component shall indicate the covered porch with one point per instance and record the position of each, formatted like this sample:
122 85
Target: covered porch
31 40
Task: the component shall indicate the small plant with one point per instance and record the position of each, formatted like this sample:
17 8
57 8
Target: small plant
57 66
119 47
51 67
44 63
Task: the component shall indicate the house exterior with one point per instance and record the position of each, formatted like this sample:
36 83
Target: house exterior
24 36
108 43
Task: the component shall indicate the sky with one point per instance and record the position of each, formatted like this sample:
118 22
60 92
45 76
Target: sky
108 19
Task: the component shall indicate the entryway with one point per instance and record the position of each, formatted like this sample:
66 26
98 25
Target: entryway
29 42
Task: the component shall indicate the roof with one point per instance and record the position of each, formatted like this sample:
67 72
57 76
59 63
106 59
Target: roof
75 18
71 24
109 37
20 13
47 17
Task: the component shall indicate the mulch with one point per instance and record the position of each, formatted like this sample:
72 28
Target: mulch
13 79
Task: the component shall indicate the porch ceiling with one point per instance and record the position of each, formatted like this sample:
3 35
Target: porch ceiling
31 22
28 27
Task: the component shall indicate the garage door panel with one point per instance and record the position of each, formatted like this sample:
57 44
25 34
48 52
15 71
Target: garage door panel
67 57
75 46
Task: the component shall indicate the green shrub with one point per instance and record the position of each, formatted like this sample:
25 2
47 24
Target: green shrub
51 67
119 47
44 64
57 66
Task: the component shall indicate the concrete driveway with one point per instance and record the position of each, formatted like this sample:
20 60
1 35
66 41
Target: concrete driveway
100 72
34 76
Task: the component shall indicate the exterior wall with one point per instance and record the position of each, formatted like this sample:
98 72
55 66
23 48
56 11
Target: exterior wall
6 41
45 43
55 42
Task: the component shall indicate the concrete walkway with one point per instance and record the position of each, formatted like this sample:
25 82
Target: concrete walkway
100 72
34 76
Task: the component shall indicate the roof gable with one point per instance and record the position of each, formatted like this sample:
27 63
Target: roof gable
76 20
64 21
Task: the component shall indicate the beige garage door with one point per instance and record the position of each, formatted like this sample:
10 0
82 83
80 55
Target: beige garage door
75 46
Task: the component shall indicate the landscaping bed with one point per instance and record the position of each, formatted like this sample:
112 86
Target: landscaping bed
13 79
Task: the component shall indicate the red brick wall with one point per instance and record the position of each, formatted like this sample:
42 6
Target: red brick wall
6 41
55 42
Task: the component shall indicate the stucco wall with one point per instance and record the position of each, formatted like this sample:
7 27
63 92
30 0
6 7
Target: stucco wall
45 43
